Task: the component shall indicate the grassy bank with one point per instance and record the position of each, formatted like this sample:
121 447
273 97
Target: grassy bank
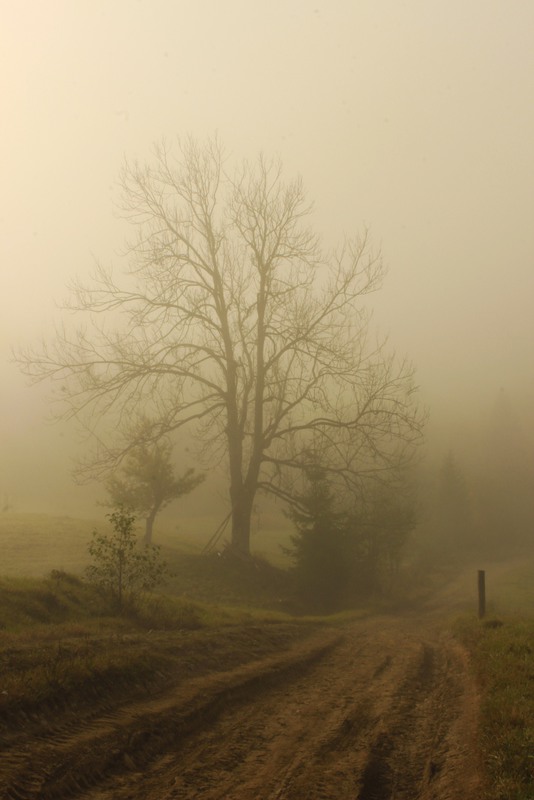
502 651
61 648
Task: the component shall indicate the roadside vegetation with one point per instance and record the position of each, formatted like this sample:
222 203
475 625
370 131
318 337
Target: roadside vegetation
502 651
70 641
64 646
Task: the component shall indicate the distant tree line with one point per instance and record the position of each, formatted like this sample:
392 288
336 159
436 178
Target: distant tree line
485 508
349 548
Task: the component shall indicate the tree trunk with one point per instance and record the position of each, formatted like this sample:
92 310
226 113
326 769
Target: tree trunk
241 515
149 524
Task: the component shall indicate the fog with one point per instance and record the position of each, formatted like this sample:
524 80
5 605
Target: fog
415 119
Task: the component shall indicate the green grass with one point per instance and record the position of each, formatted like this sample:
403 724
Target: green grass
61 647
32 545
64 599
502 651
60 642
29 601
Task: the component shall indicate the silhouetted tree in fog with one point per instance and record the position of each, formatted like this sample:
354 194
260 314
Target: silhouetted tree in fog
235 321
380 526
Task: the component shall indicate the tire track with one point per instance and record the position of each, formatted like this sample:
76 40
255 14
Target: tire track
381 717
385 709
67 762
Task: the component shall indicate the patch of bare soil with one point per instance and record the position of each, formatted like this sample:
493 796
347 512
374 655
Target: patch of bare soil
381 708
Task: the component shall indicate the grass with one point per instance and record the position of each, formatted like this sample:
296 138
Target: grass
60 645
26 601
223 580
34 544
502 651
57 639
64 599
513 591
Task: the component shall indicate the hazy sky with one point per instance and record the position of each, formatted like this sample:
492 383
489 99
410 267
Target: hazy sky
415 118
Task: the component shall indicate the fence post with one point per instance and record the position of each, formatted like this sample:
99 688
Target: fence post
481 593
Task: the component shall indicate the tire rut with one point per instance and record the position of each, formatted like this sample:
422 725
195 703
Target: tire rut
412 750
66 762
382 717
383 710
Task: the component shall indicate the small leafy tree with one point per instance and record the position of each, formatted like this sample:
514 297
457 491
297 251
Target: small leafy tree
147 482
120 567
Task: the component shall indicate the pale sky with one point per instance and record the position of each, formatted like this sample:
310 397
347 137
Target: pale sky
415 118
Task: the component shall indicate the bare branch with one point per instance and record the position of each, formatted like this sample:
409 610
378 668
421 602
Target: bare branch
232 321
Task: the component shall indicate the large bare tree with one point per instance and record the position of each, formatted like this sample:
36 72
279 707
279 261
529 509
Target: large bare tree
233 320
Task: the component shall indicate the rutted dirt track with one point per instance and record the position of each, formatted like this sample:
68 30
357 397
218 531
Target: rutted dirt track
381 708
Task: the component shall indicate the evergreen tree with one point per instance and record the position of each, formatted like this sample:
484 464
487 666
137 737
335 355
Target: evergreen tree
320 547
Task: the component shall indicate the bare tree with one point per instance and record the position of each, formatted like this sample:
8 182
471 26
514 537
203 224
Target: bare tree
234 321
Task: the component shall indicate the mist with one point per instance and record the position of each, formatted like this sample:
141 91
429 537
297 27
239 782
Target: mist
415 121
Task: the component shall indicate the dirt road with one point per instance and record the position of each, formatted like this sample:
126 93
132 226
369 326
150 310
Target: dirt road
379 708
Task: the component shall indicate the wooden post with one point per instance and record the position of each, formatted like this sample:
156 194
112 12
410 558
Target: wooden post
481 593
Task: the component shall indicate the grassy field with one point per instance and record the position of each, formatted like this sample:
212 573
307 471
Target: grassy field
32 545
502 649
35 545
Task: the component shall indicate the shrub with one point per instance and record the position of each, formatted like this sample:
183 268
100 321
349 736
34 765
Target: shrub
121 567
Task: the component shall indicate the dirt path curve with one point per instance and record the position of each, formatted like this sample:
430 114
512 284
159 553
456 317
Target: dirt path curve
381 708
